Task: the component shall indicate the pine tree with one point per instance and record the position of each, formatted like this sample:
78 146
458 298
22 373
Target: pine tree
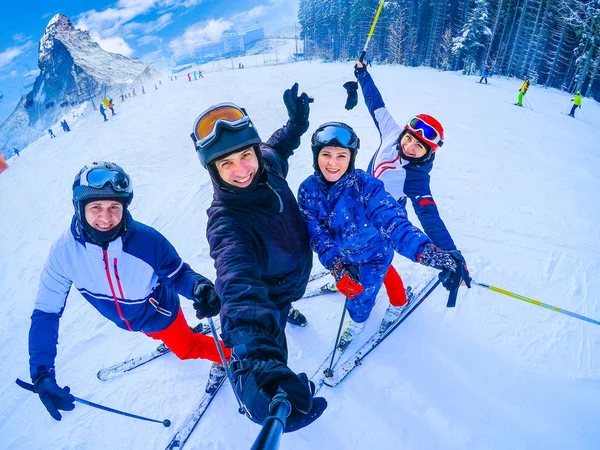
474 37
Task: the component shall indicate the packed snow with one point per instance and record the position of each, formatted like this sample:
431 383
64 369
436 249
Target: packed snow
515 186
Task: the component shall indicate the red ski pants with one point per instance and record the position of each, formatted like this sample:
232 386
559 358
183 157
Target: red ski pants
394 287
186 344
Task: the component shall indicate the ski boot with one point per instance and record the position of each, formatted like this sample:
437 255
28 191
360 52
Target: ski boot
295 317
352 330
392 313
217 372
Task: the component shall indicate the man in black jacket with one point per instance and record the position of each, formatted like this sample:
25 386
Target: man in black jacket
260 246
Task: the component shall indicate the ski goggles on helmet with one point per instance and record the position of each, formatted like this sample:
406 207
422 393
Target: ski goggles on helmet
425 131
97 177
335 134
209 123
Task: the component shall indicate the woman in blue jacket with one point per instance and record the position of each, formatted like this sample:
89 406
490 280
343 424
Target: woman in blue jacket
355 225
126 270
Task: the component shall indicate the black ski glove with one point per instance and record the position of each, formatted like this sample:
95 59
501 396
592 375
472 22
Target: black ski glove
206 300
352 90
298 108
450 261
52 396
257 381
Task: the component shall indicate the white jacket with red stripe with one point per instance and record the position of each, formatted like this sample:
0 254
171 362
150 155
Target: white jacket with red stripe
402 178
133 282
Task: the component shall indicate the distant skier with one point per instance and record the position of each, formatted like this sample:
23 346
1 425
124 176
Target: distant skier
576 103
200 74
523 91
189 77
355 225
102 111
403 162
133 91
155 87
16 150
195 76
111 106
369 60
143 90
122 98
484 75
65 125
51 133
128 271
261 250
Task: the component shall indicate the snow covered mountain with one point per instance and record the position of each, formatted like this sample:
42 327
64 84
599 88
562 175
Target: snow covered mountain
73 69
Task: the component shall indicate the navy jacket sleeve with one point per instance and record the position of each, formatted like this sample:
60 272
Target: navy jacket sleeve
155 249
383 120
390 218
284 141
248 316
418 190
321 240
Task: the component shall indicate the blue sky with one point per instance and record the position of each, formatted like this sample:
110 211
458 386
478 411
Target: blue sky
151 30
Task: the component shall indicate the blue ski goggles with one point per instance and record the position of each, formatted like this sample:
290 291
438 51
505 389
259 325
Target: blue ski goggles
209 123
425 131
99 176
336 134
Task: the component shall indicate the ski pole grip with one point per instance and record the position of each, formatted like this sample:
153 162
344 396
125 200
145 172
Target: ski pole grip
362 56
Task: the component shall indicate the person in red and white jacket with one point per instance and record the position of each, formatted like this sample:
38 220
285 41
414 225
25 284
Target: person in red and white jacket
128 271
403 162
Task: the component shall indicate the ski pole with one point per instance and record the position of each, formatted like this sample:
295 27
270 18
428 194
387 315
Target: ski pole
213 331
371 31
30 387
390 330
535 302
274 425
529 103
328 372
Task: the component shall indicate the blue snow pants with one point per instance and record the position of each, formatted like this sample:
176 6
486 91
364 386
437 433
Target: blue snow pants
372 273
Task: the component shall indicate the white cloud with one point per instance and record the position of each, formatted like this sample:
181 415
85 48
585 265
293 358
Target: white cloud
113 44
198 34
20 37
145 40
8 55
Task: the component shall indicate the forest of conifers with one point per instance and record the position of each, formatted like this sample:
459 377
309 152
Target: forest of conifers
555 42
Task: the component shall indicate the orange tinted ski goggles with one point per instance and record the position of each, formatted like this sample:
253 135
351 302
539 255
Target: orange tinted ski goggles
210 122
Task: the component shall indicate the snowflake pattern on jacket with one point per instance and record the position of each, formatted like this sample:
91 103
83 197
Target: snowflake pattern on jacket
356 220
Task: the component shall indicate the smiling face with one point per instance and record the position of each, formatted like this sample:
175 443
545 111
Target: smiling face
103 215
412 147
333 162
238 169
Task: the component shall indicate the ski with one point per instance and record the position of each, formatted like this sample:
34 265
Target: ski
318 275
215 381
327 288
341 373
130 364
134 363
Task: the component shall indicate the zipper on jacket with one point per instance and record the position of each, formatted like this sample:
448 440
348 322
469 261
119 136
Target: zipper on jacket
278 197
112 289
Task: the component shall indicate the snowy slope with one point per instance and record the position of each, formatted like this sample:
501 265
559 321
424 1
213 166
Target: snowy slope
516 187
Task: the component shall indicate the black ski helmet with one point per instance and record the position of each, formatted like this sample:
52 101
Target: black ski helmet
229 130
100 180
335 134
